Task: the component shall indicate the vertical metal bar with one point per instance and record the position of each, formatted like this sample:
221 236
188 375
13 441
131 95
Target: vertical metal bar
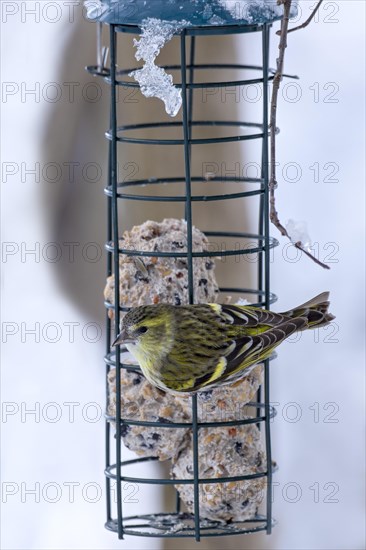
262 197
190 92
190 116
116 272
188 210
99 46
187 166
258 409
191 80
196 485
108 328
265 55
261 216
261 225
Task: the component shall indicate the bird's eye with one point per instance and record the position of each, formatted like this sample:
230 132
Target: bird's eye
140 330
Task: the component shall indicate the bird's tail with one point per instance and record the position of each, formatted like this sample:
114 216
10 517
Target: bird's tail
315 311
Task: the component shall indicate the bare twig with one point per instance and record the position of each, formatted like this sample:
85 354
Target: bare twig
273 118
306 23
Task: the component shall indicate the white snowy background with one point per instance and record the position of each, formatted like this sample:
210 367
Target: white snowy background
318 436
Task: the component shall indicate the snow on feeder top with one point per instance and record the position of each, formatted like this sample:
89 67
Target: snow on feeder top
196 13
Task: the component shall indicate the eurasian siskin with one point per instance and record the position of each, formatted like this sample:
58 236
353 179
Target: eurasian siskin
198 347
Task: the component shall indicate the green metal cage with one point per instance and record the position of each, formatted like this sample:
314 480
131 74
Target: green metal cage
120 470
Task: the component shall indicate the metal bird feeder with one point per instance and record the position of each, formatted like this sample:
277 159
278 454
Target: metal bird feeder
128 21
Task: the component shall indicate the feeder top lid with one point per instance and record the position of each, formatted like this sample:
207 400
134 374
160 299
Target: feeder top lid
197 13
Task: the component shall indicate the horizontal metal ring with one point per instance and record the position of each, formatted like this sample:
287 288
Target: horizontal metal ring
202 30
105 73
187 425
182 198
272 297
168 481
209 528
272 243
192 141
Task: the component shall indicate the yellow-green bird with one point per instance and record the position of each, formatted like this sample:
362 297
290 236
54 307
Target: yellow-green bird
194 348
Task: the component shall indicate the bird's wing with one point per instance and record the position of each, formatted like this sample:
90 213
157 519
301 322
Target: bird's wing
248 350
250 316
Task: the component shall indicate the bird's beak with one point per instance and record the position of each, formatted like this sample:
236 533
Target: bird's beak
123 338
